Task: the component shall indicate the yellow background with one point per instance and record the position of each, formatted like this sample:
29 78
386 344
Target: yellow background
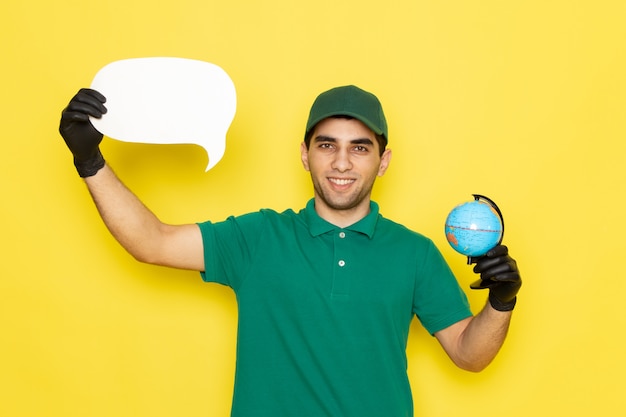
522 101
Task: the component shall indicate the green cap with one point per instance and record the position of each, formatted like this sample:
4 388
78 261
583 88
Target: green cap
349 101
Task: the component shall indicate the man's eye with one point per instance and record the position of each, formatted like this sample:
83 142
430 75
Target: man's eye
361 148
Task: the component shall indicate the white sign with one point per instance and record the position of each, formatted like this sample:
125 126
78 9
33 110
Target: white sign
166 101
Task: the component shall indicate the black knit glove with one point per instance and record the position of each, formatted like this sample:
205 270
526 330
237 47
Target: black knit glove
498 272
79 134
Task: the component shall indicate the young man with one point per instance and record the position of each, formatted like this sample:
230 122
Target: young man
325 295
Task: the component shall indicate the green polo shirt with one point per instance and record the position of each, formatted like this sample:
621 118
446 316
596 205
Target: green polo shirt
324 312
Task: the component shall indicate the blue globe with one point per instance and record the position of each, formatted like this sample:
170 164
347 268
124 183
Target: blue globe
473 228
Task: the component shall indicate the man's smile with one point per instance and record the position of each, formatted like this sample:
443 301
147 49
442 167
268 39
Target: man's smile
342 181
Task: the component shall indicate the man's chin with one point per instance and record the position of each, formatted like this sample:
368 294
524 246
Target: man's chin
342 204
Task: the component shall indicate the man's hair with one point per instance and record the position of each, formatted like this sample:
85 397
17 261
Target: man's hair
382 142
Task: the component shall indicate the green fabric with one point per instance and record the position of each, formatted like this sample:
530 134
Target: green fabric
324 312
351 101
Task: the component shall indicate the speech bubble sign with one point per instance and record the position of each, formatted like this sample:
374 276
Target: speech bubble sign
165 100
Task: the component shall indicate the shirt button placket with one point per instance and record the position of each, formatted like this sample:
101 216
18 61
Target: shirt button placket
340 279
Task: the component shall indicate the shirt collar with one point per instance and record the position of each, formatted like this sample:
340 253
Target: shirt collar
318 226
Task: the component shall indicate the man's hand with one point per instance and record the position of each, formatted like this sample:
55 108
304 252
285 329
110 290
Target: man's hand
79 134
498 272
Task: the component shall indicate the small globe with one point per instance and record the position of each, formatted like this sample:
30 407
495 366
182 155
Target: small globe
473 228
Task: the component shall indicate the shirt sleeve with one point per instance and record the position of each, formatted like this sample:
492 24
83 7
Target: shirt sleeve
230 247
438 301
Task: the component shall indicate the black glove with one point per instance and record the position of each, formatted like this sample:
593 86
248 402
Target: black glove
78 132
498 272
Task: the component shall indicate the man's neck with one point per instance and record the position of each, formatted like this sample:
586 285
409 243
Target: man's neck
342 217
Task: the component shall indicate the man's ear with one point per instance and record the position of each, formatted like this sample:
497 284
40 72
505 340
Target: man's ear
304 155
385 160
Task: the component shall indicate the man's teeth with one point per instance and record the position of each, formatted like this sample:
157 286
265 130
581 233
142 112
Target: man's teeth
340 181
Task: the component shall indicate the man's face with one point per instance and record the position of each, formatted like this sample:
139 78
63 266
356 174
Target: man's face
344 160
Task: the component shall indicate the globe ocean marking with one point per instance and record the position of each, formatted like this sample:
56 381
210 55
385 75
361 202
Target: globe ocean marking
473 228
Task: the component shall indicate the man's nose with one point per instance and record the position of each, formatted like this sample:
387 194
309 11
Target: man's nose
342 161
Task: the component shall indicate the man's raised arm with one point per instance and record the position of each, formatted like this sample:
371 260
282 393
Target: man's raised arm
474 342
134 226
